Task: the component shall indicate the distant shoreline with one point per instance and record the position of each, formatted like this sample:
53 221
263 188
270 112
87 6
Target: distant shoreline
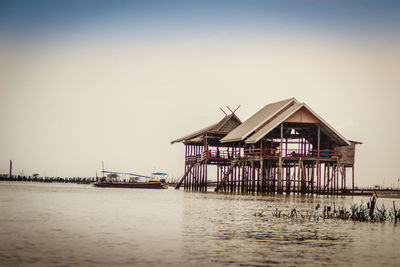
381 193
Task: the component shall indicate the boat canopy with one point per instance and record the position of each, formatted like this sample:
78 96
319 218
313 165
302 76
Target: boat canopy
159 173
127 173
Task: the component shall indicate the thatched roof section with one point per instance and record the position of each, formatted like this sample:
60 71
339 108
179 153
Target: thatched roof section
220 129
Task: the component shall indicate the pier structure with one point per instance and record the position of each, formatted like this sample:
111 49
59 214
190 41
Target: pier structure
283 148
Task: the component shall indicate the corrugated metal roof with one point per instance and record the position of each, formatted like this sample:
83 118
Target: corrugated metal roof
286 114
272 124
257 120
214 128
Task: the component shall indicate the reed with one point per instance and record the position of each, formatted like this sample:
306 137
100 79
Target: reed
357 212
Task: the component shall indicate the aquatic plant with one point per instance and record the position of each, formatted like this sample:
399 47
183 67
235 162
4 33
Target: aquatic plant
358 212
394 213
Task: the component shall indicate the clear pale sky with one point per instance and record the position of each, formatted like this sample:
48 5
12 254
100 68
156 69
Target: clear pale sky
86 81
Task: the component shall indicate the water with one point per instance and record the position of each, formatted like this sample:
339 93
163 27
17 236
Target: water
80 225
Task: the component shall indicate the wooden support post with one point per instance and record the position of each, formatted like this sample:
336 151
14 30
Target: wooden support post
274 175
200 177
298 179
280 189
279 170
352 178
343 178
329 178
242 176
312 178
10 169
263 182
337 178
258 180
202 187
253 177
324 185
233 178
228 178
270 177
303 176
194 182
288 179
334 177
267 181
218 169
247 177
239 177
206 178
317 161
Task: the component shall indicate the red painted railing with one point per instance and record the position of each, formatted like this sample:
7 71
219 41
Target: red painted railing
214 154
290 153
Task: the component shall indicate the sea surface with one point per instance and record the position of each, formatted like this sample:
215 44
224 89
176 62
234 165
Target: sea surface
81 225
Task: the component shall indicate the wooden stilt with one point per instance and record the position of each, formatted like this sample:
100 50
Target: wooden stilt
280 189
352 178
253 177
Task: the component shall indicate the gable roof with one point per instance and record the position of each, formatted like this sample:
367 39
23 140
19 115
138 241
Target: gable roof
268 118
257 120
223 127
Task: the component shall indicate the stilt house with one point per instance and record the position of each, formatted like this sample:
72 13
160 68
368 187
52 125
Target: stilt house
284 147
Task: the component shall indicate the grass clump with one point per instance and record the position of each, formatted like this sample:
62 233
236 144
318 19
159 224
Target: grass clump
357 212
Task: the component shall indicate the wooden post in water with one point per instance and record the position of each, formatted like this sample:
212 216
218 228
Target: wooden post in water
312 178
10 168
318 164
253 177
280 191
352 177
288 179
303 176
263 183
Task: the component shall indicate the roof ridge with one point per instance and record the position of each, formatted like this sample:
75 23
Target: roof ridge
255 122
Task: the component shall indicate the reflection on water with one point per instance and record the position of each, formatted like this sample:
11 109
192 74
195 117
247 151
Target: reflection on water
80 225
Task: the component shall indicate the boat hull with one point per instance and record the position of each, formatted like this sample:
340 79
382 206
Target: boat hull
149 185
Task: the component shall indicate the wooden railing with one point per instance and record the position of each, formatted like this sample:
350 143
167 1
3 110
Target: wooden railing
290 153
214 154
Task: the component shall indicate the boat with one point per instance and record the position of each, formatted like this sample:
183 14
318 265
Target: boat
112 181
144 185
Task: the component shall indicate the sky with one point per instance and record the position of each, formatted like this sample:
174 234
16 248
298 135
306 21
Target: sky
83 82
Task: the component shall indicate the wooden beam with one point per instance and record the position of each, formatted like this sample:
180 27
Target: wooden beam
184 176
233 164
